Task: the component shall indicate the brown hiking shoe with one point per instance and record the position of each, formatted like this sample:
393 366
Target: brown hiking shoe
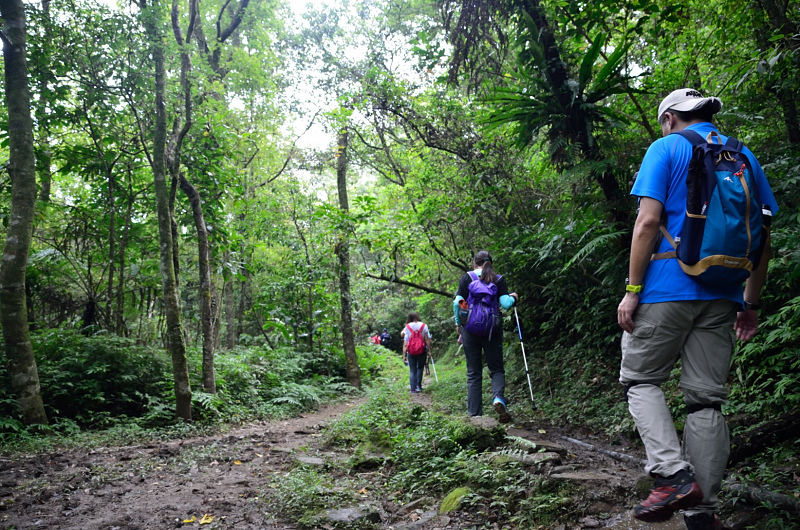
678 492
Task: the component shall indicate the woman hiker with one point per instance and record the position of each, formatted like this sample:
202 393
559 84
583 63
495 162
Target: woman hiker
416 348
482 290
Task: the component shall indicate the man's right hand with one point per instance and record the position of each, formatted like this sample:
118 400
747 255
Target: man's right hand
625 311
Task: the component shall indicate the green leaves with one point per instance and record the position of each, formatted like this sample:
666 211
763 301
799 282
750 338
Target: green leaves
587 65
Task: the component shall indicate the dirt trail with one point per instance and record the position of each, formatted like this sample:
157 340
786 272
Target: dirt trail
174 484
157 485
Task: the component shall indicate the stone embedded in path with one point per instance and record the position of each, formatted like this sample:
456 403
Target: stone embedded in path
423 521
310 460
530 459
484 422
585 476
540 444
348 516
413 505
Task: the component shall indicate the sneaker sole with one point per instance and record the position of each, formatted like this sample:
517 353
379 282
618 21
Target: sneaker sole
664 512
502 413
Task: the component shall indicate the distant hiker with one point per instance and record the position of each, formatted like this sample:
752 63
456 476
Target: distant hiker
416 348
427 355
376 339
668 314
386 339
483 291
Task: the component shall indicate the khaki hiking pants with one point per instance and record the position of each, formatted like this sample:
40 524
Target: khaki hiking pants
700 334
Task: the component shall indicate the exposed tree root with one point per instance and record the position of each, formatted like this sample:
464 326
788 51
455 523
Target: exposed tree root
756 496
613 454
769 434
750 494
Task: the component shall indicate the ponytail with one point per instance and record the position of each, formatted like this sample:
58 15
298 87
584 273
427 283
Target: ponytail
484 260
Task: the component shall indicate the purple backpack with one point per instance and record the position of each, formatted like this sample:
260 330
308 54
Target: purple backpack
482 301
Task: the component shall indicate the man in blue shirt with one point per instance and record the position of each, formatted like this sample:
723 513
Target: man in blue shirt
667 315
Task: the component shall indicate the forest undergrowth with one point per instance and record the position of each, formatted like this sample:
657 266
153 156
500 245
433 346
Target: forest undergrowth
415 451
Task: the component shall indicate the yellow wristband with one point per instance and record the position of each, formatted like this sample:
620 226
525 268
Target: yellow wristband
633 288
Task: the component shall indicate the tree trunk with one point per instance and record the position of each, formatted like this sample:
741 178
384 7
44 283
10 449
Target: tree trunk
216 312
243 298
343 251
22 171
112 251
120 323
231 338
44 158
778 22
174 158
311 319
309 279
209 383
174 332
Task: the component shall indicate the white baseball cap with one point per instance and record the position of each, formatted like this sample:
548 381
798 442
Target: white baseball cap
687 99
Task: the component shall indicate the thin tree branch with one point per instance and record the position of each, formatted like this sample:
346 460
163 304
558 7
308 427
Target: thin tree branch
291 151
235 21
390 279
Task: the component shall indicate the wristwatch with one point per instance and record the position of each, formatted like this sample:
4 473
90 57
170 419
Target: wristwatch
632 288
754 307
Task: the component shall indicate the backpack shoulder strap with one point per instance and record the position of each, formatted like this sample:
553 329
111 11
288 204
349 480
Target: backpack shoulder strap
473 275
693 137
668 254
734 144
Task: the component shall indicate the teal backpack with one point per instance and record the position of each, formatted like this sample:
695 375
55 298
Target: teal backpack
726 226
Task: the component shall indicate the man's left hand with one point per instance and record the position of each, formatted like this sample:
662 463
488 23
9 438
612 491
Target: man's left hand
746 324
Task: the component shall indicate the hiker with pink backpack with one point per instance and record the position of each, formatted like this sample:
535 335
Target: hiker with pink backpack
416 349
481 293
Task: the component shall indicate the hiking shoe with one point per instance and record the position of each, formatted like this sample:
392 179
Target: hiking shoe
418 389
678 492
702 521
499 405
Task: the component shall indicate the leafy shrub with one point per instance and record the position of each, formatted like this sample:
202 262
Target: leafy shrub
96 379
767 367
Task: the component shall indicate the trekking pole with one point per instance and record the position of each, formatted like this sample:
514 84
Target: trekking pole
524 359
433 365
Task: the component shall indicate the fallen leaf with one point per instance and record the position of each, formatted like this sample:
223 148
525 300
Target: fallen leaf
259 456
207 518
542 431
363 491
193 519
237 462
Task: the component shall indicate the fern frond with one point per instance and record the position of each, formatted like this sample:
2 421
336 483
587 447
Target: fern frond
590 247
